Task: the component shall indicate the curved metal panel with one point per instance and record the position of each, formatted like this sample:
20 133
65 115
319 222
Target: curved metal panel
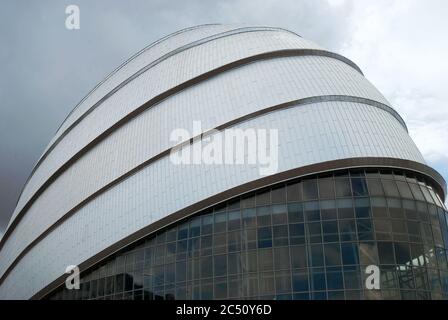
181 67
76 138
247 93
163 188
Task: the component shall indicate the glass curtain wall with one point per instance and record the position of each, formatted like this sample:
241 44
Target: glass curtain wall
309 238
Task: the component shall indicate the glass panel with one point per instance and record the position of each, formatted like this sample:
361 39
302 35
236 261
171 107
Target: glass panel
368 253
390 188
207 224
335 281
416 191
264 237
426 194
379 207
206 267
395 208
347 228
316 256
314 232
295 212
300 281
279 214
195 227
182 232
318 280
263 198
297 230
220 265
249 218
310 189
278 195
267 283
326 188
345 208
281 258
349 253
282 282
352 278
362 208
343 188
234 222
386 252
312 212
328 209
298 257
404 189
264 216
266 260
332 254
220 222
233 205
248 202
359 187
294 192
365 229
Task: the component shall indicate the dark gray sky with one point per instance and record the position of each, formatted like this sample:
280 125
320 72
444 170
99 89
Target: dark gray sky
45 69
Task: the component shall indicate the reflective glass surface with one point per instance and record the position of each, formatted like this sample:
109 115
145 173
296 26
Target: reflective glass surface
309 238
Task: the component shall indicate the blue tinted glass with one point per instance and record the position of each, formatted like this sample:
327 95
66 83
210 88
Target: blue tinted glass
335 280
318 281
301 296
220 265
316 256
300 282
195 228
319 296
284 251
310 189
349 253
265 233
295 212
332 254
359 187
297 230
182 232
352 279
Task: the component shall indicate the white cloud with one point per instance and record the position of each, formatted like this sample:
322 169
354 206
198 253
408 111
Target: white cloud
401 46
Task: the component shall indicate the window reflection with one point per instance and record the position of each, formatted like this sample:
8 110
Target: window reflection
304 239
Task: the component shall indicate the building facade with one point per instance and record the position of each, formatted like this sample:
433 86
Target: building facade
350 189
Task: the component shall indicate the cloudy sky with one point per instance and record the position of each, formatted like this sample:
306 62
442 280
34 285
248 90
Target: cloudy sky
45 69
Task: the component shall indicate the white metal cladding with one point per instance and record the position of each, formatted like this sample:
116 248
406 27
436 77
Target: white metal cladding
230 95
307 134
163 76
136 62
147 56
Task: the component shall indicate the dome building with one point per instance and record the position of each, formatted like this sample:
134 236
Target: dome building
346 188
